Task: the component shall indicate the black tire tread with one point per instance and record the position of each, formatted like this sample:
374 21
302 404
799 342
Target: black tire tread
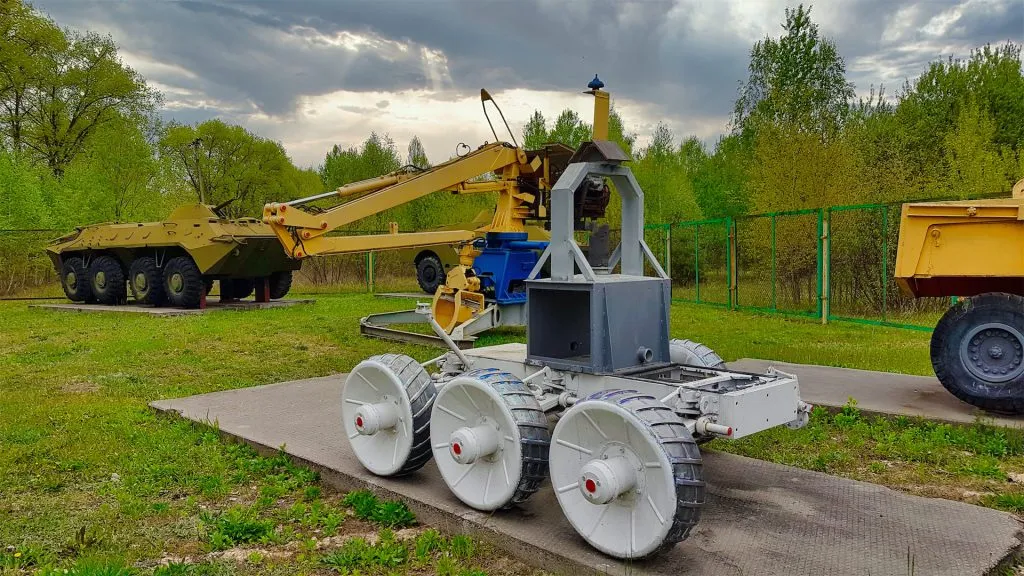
192 292
146 265
1006 398
116 290
280 284
82 291
682 451
419 388
421 265
534 434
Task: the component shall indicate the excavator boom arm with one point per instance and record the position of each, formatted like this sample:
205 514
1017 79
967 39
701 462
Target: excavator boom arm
303 233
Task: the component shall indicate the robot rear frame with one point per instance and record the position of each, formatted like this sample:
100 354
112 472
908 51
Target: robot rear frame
629 405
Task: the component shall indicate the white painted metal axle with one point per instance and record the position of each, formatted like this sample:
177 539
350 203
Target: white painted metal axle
602 481
372 418
469 444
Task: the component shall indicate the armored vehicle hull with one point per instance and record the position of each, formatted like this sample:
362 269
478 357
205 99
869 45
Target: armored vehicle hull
173 262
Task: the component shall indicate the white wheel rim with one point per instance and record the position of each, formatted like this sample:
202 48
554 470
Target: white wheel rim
490 481
635 523
385 452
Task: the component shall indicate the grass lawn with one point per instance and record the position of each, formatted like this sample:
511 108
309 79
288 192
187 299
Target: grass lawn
88 473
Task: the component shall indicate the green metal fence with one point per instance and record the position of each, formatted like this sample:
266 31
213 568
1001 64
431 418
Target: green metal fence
830 264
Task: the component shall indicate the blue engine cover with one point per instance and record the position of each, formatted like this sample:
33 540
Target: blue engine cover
505 263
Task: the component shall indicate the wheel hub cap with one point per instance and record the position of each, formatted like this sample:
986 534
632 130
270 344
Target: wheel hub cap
177 282
372 418
101 279
140 282
71 279
469 444
993 353
605 479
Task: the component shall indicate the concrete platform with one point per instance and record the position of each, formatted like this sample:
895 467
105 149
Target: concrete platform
879 392
761 519
154 311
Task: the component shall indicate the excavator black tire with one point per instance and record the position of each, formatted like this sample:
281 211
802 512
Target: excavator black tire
977 351
430 273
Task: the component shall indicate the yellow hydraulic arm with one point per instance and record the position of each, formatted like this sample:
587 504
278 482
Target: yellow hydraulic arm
304 233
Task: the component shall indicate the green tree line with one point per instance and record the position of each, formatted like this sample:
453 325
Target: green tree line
81 140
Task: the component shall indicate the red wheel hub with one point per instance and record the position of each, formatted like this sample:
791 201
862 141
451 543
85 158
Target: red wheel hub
359 421
590 486
456 448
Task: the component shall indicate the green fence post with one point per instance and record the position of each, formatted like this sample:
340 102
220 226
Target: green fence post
774 301
696 259
668 250
823 281
885 261
732 277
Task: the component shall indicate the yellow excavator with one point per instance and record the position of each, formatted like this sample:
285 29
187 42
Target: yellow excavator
495 259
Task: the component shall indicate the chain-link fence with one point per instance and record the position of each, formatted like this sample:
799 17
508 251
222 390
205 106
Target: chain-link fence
832 263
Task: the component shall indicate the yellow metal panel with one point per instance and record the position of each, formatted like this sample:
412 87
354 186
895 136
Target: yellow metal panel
326 245
601 106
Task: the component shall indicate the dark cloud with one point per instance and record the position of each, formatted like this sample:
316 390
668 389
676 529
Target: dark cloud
668 54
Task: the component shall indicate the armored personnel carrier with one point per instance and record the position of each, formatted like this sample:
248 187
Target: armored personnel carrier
174 262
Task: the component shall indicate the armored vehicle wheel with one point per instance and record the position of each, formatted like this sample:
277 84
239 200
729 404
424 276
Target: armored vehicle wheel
385 409
627 473
146 282
242 288
490 439
430 273
74 279
977 350
182 282
106 281
280 284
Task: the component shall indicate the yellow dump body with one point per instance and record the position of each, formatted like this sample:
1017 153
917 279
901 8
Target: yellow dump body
962 248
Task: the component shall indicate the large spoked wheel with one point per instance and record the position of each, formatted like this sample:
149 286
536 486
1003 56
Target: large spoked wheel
627 473
146 282
74 279
977 351
490 439
385 409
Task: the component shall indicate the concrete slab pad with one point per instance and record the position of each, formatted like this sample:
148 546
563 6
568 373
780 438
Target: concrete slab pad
131 307
761 519
879 392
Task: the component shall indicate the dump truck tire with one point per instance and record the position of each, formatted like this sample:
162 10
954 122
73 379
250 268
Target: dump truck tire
280 284
74 279
977 351
107 282
430 273
146 282
183 282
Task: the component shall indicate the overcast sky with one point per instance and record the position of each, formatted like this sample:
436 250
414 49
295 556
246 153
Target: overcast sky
313 73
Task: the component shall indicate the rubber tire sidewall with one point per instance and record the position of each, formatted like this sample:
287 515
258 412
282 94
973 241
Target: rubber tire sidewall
192 291
146 266
115 290
82 291
280 284
956 323
425 263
